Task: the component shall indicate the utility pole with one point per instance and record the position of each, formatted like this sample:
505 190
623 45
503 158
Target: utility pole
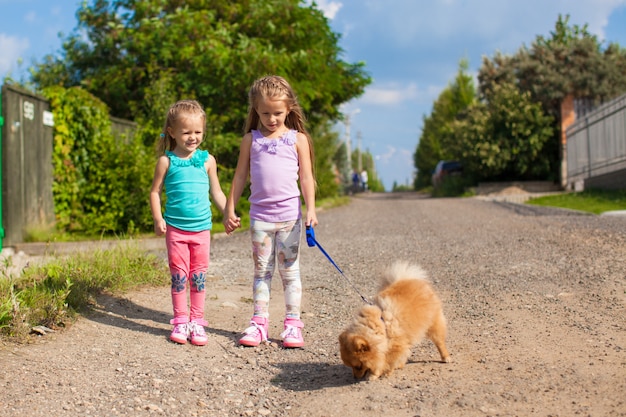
348 147
348 151
360 163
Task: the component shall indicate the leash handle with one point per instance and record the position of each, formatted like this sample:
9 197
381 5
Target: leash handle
310 236
310 240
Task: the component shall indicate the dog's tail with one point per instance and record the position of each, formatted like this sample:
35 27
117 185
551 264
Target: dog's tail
402 270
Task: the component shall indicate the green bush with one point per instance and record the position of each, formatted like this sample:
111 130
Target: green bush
101 182
451 186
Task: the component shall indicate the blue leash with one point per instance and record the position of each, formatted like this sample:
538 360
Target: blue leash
311 241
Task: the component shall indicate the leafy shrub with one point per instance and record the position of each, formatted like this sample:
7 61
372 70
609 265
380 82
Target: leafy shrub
451 186
101 183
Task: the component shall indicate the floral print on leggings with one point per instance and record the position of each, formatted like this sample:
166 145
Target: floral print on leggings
276 244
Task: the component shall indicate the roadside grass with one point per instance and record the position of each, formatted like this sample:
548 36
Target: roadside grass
328 203
49 234
54 293
594 201
451 186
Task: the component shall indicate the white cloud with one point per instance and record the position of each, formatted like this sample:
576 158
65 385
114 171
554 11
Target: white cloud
394 94
329 8
13 49
407 154
383 97
395 165
386 157
596 15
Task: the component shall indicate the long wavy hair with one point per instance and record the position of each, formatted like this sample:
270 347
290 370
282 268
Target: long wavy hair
274 87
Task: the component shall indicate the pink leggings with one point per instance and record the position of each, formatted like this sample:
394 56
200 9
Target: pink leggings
188 255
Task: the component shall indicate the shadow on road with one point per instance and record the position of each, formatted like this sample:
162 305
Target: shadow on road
299 376
125 314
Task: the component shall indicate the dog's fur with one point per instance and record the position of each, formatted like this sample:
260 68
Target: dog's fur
406 309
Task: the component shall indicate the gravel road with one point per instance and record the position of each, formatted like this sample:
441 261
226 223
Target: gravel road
535 300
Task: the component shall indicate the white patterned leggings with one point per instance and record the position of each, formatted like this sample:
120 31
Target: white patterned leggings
276 243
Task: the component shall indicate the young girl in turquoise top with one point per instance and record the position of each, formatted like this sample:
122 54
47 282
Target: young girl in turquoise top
188 175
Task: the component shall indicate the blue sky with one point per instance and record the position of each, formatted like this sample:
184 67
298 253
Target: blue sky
411 48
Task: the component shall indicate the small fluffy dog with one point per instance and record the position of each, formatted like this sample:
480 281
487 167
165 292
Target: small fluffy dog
405 310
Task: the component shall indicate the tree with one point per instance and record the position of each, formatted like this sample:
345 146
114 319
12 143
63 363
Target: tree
139 56
570 61
210 50
325 168
437 141
504 139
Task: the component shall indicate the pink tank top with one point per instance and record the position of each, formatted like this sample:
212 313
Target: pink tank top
275 196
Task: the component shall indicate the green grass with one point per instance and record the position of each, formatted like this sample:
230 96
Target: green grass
452 186
54 293
592 201
51 235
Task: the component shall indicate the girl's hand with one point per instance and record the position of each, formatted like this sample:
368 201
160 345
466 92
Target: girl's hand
160 227
311 219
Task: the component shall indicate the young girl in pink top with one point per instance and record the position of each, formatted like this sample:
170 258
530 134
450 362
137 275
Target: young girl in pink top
276 151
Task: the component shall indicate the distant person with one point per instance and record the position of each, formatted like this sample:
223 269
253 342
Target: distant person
276 151
188 175
356 182
364 180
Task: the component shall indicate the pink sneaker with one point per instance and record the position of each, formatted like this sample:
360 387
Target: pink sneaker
180 333
197 335
292 335
256 333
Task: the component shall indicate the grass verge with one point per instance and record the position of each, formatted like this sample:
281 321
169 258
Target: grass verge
54 293
592 201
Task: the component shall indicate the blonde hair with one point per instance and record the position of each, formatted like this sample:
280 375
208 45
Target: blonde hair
177 111
276 88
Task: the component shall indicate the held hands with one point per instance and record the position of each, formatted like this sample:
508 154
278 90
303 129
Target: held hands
231 223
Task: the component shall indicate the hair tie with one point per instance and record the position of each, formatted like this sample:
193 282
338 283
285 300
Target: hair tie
162 135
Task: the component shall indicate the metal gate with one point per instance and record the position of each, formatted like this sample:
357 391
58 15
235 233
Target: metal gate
27 137
596 148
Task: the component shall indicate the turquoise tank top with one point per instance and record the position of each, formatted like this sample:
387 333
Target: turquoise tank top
187 205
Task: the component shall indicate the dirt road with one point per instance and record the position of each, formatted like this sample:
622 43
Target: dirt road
535 301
